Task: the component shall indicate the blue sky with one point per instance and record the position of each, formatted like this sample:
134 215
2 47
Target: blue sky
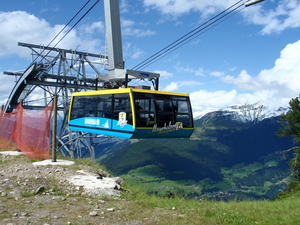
254 56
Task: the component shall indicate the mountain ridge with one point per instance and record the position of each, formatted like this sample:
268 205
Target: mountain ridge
243 113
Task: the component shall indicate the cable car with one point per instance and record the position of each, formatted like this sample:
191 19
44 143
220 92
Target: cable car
132 113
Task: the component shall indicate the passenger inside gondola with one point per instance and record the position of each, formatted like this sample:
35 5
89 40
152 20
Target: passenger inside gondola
138 107
138 118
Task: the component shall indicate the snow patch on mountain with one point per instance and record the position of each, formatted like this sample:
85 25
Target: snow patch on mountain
244 113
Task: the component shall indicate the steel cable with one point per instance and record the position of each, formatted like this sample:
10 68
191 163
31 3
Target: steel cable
189 36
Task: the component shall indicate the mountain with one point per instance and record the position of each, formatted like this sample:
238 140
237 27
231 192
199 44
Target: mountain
244 113
233 153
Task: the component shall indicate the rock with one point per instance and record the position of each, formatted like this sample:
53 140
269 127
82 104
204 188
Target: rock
82 172
110 209
93 213
103 173
118 187
118 180
39 190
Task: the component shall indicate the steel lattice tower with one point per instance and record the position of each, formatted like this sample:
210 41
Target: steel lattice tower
59 72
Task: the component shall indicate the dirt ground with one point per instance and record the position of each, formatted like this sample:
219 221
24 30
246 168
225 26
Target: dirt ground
31 194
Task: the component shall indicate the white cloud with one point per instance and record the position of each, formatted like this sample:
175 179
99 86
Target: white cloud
131 51
164 74
178 7
6 85
273 87
217 73
190 83
244 81
137 53
19 26
124 6
277 19
95 27
173 86
137 32
197 72
282 16
128 28
283 76
204 99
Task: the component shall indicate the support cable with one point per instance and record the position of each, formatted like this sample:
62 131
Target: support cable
187 37
64 27
43 57
185 42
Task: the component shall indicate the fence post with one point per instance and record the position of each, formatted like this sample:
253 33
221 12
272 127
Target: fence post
54 140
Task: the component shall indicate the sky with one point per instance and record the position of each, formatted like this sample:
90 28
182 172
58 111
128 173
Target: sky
253 56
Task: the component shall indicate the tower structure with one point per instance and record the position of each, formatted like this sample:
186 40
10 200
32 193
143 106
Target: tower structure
59 72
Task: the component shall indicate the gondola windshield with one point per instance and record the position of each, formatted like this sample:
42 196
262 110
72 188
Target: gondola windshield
132 113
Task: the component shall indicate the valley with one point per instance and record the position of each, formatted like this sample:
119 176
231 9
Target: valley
224 159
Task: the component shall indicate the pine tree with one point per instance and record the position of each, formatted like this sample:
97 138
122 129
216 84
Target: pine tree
291 127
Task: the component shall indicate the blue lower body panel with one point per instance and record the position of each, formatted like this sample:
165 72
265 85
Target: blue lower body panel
101 132
117 128
141 133
104 126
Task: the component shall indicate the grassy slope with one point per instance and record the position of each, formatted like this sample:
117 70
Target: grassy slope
209 212
135 207
201 165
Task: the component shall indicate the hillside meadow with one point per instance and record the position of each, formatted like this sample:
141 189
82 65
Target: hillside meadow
133 207
223 160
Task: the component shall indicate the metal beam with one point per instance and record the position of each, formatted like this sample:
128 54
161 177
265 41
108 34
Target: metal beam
13 73
113 34
57 84
60 49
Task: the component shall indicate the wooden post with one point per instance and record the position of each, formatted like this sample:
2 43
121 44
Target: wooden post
54 140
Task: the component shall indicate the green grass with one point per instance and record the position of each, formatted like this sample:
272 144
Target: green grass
183 211
241 179
272 163
26 194
179 210
151 179
138 207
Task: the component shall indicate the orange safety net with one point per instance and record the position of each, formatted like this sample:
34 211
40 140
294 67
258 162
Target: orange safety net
27 131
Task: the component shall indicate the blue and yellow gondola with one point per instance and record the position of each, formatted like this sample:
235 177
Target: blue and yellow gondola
132 113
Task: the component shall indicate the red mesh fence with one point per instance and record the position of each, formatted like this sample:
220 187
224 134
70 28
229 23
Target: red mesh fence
7 121
27 131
